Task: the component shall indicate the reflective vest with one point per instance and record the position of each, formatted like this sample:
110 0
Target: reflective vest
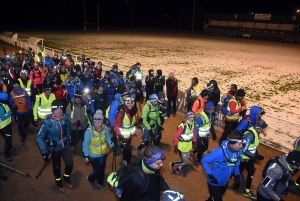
72 112
237 106
6 121
128 127
98 144
20 101
254 145
187 136
27 87
138 74
204 129
42 106
153 115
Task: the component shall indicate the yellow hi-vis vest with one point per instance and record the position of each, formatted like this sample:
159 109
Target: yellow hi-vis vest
187 136
98 144
204 130
128 128
237 106
138 75
42 106
27 87
254 145
6 121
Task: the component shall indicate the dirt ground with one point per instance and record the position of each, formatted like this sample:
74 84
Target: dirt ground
29 160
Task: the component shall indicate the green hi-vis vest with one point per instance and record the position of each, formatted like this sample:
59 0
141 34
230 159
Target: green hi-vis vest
153 115
43 106
98 142
254 145
237 106
8 120
27 87
128 128
204 130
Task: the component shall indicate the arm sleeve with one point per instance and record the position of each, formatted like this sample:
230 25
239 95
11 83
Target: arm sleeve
86 142
232 106
41 135
108 139
249 138
195 135
68 126
145 112
112 113
4 116
209 158
195 106
178 133
28 101
163 185
11 102
118 123
35 108
68 112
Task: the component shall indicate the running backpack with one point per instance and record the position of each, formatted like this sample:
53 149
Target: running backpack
123 175
224 108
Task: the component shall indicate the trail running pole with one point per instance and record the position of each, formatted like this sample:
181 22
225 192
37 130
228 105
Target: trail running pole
14 170
43 167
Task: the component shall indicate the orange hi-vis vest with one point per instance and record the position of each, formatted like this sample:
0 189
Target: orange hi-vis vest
20 101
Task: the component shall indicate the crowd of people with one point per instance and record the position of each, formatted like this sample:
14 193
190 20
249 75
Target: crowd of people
70 100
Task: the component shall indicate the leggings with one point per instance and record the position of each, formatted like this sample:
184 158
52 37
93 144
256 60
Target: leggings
202 144
127 151
249 165
229 127
66 153
216 192
184 159
6 132
98 165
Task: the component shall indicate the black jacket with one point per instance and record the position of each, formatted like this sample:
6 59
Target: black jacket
214 96
171 84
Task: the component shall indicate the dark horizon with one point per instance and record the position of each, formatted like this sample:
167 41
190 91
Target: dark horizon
177 14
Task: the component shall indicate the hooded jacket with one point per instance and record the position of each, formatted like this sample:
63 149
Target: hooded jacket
214 96
79 113
113 111
221 169
245 123
274 173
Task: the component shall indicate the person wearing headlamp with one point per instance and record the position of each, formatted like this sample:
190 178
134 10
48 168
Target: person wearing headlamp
95 148
223 163
124 127
148 187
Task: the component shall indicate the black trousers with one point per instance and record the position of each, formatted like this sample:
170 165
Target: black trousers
202 144
216 192
127 150
212 128
66 153
23 121
229 127
261 198
156 140
172 107
249 165
98 165
6 132
39 89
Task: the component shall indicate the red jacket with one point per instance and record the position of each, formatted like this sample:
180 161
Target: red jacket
61 93
180 132
36 77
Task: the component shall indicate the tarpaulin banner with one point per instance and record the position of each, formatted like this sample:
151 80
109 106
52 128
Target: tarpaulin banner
258 16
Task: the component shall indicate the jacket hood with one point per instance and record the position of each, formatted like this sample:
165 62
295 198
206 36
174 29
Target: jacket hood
253 113
117 96
159 72
282 160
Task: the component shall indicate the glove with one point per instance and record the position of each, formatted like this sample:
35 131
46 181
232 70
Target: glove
213 179
259 157
87 159
160 127
195 146
77 123
46 157
121 137
36 123
236 181
14 109
175 148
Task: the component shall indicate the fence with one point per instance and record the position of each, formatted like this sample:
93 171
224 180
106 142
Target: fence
281 132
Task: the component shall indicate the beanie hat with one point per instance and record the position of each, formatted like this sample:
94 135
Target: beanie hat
209 106
153 97
153 153
260 123
204 92
56 104
98 116
240 92
172 195
23 71
190 114
161 94
235 136
293 158
78 94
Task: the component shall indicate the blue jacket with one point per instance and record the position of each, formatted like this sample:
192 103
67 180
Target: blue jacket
113 111
111 92
199 122
245 124
221 169
49 61
87 139
90 105
50 130
73 86
116 76
133 71
11 102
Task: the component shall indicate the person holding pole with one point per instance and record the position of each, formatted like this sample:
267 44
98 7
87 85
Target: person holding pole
95 149
55 131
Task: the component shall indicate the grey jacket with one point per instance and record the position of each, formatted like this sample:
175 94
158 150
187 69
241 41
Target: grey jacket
274 173
79 113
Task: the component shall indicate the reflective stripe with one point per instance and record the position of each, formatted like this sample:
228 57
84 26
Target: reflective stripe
27 88
8 120
254 145
97 143
138 75
128 127
237 106
204 130
127 132
188 135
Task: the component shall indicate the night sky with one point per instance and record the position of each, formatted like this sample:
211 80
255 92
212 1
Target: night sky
67 14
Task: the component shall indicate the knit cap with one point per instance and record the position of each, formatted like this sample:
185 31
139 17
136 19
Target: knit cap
98 117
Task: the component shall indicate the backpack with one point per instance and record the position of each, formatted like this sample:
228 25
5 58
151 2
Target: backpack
285 175
225 99
123 175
